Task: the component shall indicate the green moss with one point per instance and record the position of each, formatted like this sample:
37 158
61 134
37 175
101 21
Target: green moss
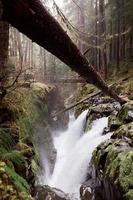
34 166
129 195
6 139
124 131
126 172
123 114
19 182
116 159
83 91
89 120
27 108
113 122
12 186
96 157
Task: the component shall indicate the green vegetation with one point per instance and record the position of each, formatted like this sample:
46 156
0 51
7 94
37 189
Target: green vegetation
115 156
25 108
121 81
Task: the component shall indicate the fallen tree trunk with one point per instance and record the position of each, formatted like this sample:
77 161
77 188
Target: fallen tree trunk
84 99
31 18
76 104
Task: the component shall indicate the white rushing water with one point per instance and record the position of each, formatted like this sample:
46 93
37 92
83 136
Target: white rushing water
74 152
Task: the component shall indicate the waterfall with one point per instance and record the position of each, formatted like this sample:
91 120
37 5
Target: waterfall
74 152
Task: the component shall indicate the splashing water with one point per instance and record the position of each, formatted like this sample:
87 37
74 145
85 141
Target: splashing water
74 152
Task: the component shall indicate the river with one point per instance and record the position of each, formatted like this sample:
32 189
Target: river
74 152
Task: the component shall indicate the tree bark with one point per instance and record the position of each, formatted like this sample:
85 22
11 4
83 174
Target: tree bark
32 19
102 35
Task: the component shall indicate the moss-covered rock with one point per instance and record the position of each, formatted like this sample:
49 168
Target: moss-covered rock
114 160
26 108
125 115
102 109
124 131
114 122
112 168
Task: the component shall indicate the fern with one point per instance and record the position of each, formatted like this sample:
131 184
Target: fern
19 182
6 140
14 156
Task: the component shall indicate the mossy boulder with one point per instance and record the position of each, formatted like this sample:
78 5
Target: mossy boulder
114 122
124 131
103 109
46 192
125 115
113 160
113 163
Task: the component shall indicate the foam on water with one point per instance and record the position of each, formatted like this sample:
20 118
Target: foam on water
74 152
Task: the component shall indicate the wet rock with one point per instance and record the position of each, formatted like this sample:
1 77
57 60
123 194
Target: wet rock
114 123
113 170
101 110
85 193
125 131
125 115
45 144
48 193
104 109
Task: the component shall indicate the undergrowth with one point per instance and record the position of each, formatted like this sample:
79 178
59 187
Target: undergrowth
25 107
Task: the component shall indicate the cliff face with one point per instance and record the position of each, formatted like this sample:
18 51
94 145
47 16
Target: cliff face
20 112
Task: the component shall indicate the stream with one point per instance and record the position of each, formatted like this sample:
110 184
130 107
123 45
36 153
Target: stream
74 151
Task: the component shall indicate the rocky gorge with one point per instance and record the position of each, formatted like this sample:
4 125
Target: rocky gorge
28 125
110 171
109 175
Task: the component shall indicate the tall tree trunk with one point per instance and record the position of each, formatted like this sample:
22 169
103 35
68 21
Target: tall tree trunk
111 43
81 25
44 64
103 38
31 18
131 45
96 35
4 38
118 34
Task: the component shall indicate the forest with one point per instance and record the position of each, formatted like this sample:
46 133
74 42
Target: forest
66 100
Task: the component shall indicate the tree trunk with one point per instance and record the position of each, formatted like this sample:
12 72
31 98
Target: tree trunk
31 18
96 36
118 36
103 38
